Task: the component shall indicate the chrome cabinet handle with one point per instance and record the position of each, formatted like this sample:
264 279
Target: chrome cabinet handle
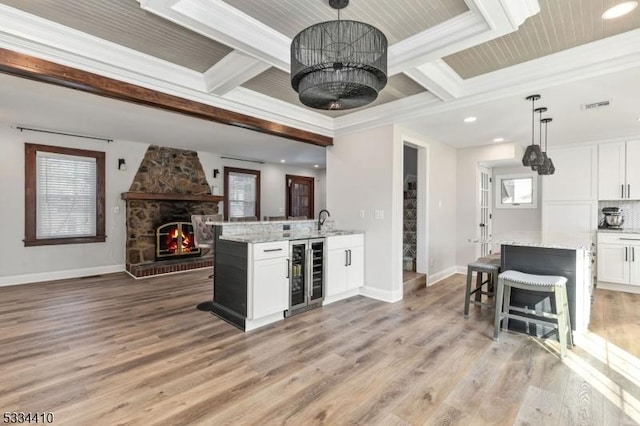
346 258
626 254
270 250
622 190
633 254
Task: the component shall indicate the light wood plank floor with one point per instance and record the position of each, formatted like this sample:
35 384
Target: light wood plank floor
113 351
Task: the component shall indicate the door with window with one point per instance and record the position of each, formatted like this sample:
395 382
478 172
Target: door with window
485 215
299 196
242 199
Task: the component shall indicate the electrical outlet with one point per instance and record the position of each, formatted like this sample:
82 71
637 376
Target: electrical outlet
361 214
116 209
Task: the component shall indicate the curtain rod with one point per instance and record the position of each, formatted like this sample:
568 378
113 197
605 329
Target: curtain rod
63 133
242 159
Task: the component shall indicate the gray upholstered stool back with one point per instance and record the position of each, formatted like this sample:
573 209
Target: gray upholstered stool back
203 233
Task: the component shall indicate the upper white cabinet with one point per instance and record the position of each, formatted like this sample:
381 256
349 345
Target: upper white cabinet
619 173
576 174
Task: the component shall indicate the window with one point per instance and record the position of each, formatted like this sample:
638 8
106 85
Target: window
517 191
242 187
64 195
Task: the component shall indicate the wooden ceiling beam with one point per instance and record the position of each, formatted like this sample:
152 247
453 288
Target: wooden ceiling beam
27 66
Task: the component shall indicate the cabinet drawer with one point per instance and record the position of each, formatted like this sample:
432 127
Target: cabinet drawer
343 241
270 250
619 238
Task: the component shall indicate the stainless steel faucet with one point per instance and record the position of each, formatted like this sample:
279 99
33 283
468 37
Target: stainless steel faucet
320 220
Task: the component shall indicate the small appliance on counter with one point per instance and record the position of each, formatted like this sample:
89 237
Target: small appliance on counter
612 219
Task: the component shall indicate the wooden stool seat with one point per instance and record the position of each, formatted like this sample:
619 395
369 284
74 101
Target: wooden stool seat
554 285
490 267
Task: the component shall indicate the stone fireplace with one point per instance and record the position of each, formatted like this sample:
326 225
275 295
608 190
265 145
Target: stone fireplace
169 187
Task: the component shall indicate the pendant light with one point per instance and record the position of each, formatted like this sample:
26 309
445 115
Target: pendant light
339 65
547 167
533 154
540 110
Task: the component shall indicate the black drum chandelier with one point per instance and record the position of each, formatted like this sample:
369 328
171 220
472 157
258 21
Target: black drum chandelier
534 156
337 65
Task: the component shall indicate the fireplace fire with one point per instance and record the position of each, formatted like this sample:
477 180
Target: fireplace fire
175 240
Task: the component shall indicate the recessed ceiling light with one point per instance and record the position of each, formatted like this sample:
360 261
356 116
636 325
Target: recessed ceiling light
316 166
498 140
470 119
283 161
619 9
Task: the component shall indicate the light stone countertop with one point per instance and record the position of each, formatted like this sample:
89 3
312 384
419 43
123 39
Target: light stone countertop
568 241
619 231
267 237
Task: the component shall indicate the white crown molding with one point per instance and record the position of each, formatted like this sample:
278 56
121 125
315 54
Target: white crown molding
231 71
227 25
438 78
443 39
505 16
605 56
281 111
26 33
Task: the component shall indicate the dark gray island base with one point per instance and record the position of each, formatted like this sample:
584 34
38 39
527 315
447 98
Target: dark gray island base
574 264
230 280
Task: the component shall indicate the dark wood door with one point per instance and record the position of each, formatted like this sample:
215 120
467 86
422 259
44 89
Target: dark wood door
299 196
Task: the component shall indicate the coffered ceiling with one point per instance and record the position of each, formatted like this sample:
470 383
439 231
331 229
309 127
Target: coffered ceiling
445 56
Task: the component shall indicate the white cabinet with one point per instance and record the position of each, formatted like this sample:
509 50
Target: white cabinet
576 174
268 279
619 258
619 176
345 264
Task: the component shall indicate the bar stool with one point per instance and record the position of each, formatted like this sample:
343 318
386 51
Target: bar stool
490 267
554 285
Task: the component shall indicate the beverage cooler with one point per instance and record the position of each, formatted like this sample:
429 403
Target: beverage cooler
306 275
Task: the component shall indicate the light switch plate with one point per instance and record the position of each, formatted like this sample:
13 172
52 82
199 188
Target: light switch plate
361 214
379 215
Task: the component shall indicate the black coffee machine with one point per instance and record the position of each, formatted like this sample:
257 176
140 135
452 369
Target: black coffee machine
612 219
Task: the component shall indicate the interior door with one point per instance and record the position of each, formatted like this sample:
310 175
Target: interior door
484 210
299 196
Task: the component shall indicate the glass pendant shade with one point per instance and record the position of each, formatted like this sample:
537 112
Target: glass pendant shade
536 167
532 156
338 65
544 169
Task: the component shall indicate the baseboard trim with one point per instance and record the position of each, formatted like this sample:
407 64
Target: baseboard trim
390 296
59 275
439 276
618 287
337 297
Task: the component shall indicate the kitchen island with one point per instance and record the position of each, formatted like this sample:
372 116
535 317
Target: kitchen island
571 258
265 271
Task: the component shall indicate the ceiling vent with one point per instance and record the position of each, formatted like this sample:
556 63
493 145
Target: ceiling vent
596 105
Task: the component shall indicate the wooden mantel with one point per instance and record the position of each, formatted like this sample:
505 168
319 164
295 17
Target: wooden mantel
170 197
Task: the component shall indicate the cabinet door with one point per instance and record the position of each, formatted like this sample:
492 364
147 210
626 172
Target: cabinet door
270 287
634 265
336 272
355 270
613 265
575 177
632 169
611 164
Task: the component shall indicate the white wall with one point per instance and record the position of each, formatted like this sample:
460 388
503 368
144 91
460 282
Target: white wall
272 181
28 264
365 172
31 264
441 204
507 221
360 177
467 189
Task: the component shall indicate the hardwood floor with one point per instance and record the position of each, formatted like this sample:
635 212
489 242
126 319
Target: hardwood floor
113 351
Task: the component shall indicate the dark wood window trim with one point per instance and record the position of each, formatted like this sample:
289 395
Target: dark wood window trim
228 170
312 182
31 195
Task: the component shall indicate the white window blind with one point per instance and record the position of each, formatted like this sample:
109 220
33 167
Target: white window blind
66 195
242 193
